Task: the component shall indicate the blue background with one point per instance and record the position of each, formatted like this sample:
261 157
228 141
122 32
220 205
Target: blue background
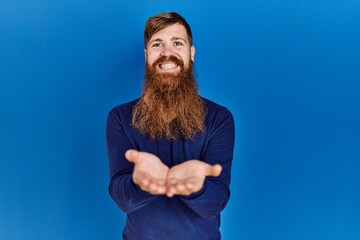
288 70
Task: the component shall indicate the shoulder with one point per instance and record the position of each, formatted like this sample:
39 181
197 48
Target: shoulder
122 112
218 117
215 109
124 108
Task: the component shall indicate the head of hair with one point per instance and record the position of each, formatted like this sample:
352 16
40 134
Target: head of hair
160 21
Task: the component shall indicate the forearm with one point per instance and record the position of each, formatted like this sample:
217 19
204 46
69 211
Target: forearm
126 194
215 194
210 200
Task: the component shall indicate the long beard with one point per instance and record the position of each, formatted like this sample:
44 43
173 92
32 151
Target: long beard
170 106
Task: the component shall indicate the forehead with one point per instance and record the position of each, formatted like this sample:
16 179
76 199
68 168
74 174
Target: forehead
172 31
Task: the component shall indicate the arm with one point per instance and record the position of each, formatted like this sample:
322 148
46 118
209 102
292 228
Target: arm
127 195
212 198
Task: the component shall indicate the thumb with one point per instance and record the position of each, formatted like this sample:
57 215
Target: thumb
132 155
214 171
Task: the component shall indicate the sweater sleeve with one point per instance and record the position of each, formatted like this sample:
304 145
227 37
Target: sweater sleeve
127 195
213 197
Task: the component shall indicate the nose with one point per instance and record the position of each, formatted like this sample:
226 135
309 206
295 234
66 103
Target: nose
167 51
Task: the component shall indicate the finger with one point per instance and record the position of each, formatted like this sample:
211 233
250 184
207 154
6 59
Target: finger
161 182
156 189
153 187
214 171
189 186
194 184
160 190
144 187
132 155
171 192
141 179
182 190
180 187
145 182
172 181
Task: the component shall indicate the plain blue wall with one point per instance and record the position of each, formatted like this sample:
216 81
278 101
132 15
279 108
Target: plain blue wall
288 70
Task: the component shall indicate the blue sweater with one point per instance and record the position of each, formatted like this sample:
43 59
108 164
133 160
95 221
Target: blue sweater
181 217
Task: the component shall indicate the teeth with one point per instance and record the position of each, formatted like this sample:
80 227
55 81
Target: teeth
168 66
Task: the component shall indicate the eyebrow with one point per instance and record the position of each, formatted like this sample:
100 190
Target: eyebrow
172 39
178 38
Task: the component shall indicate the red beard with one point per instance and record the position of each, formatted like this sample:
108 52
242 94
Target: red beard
170 106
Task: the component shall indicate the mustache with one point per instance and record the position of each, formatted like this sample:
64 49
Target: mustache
172 58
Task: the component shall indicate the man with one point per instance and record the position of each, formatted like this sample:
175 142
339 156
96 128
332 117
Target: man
170 151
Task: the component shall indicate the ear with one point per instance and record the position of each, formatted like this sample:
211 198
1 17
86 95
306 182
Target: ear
192 53
145 54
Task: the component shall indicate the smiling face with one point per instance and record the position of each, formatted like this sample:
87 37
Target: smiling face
169 51
170 105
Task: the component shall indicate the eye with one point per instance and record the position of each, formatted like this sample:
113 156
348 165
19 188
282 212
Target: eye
178 44
156 45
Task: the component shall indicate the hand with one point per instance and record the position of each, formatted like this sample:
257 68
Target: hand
188 177
149 172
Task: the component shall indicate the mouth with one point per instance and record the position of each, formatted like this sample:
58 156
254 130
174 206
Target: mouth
167 66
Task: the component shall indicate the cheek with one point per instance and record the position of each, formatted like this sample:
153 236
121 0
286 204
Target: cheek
186 58
151 58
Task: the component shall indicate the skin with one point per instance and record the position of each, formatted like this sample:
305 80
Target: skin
189 176
170 41
150 174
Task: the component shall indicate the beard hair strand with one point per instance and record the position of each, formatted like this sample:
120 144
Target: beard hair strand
170 106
